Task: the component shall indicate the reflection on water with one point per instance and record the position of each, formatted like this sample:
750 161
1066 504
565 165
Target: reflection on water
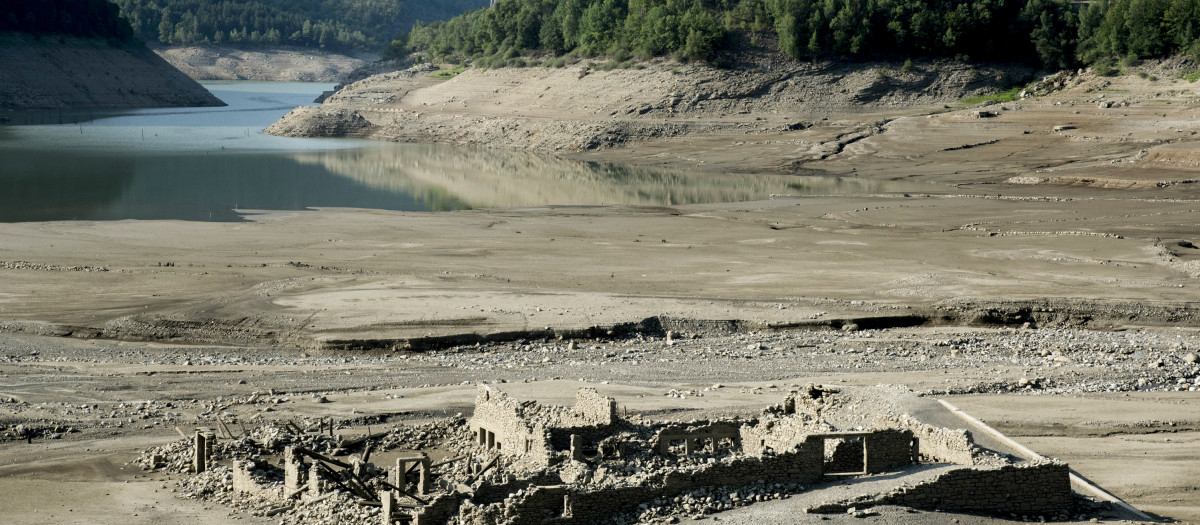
195 187
504 179
210 186
204 163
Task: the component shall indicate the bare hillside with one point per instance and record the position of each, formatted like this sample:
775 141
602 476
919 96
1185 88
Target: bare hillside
71 72
272 65
584 107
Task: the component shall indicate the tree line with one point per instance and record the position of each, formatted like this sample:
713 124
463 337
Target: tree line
1051 33
332 24
84 18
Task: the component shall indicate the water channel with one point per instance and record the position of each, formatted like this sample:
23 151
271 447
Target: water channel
213 164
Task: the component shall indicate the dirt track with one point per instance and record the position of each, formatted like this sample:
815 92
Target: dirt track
1096 231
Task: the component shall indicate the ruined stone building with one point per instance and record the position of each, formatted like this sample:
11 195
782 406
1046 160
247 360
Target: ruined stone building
518 462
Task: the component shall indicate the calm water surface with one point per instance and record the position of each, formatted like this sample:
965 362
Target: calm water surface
206 164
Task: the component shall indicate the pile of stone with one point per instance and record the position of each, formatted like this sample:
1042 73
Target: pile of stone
343 497
714 499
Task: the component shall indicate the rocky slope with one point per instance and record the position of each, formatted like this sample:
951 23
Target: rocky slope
71 72
585 107
271 65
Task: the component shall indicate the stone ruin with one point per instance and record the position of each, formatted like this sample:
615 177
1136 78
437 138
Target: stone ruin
517 462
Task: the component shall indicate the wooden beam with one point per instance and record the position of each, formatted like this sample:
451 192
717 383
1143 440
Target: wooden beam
322 457
448 461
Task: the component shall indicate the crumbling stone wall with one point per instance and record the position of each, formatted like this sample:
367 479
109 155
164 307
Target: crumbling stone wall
560 503
809 401
499 424
438 511
560 438
592 419
890 449
1018 489
591 408
803 464
871 452
777 434
596 506
485 492
937 444
243 479
534 432
542 504
707 438
886 449
844 455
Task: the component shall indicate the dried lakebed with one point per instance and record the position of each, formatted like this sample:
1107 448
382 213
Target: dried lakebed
69 395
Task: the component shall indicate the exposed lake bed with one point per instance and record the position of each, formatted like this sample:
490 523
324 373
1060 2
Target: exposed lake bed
960 247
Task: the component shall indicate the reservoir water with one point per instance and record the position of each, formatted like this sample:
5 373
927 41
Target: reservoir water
213 164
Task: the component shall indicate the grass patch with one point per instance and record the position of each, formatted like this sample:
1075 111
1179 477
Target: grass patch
1008 95
447 74
1192 77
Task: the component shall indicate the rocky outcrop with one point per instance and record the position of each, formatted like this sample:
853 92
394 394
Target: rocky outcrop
315 121
55 71
271 65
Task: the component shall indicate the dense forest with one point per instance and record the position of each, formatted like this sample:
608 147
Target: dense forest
1053 33
332 24
85 18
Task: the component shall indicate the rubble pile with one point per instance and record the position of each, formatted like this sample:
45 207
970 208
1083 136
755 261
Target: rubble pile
257 445
523 462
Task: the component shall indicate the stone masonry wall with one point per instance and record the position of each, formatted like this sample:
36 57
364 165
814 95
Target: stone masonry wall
937 444
726 435
243 480
777 434
500 414
844 455
1019 489
438 511
888 450
560 438
541 504
594 409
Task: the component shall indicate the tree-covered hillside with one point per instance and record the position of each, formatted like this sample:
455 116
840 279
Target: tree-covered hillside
332 24
85 18
1053 33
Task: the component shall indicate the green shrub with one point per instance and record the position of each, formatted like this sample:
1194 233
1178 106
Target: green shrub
1104 67
1008 95
448 73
